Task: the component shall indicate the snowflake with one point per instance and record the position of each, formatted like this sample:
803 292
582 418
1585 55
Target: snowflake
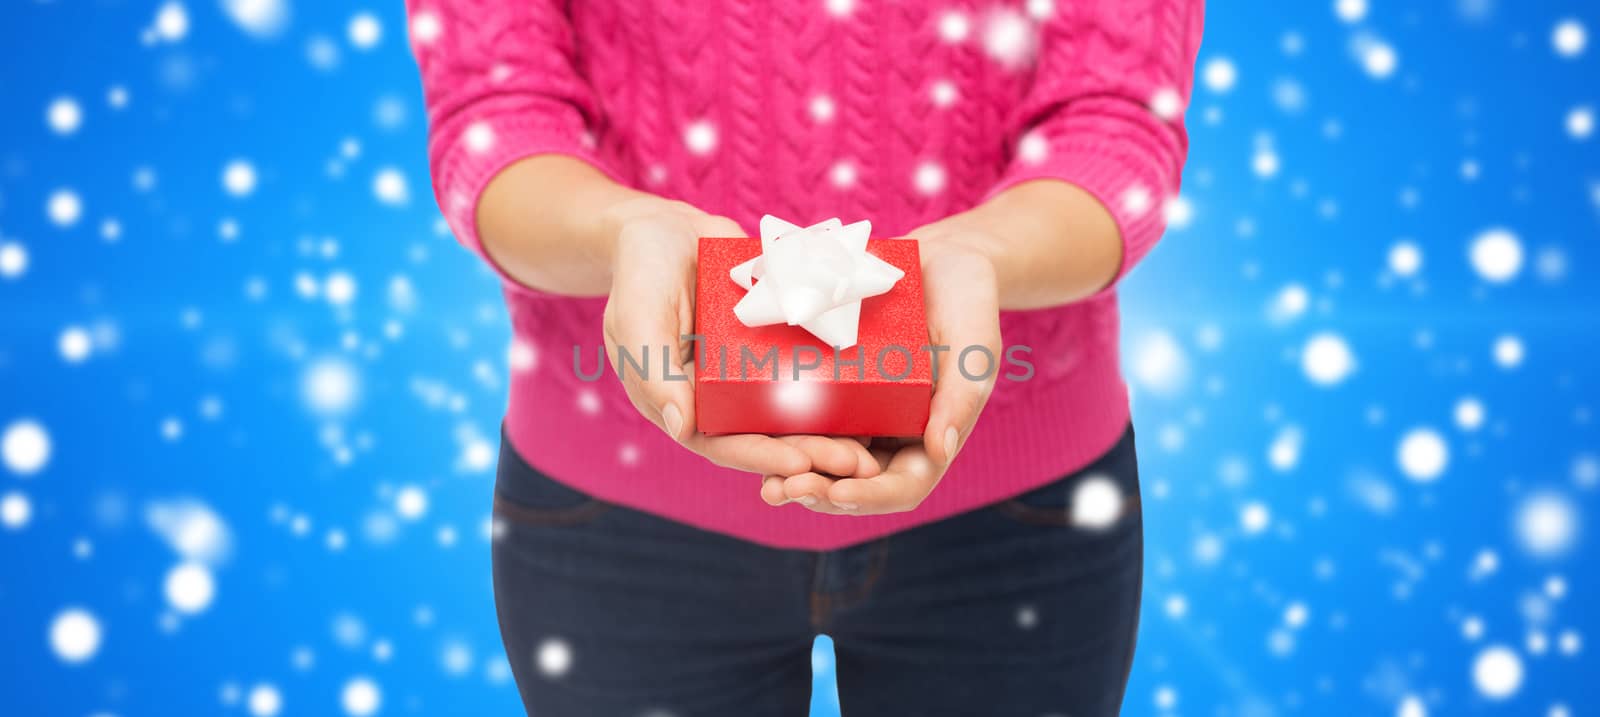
823 109
1580 122
75 635
1350 11
189 588
842 174
1219 74
425 27
1423 455
700 137
1327 359
64 116
1569 38
390 187
239 178
364 31
172 22
261 18
554 657
1405 258
954 27
1009 38
1497 672
929 178
64 208
1508 351
25 447
479 137
1096 503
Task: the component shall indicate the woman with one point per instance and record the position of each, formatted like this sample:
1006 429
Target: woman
642 567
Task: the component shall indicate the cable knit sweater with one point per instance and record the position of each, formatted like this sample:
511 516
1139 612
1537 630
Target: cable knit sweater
898 112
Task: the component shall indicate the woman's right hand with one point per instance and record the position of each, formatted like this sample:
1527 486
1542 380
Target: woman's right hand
651 308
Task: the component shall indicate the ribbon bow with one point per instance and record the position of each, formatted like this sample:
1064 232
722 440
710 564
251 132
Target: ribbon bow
814 278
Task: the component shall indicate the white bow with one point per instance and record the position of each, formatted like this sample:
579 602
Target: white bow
814 278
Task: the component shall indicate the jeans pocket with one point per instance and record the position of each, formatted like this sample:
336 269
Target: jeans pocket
1099 507
525 495
1100 496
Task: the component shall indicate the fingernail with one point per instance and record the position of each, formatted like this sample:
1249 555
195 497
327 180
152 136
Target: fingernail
951 439
671 416
845 506
807 500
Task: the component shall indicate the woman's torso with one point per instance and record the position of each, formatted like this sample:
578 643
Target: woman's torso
900 113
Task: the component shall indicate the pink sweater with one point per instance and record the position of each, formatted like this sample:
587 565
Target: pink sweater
901 113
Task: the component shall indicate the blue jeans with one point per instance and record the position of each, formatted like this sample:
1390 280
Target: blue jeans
1009 609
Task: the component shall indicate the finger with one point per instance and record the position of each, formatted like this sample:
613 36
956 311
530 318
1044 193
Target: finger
810 489
867 465
834 456
669 404
908 479
772 491
750 452
968 323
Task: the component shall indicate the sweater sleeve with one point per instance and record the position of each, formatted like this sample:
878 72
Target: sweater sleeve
1105 111
500 85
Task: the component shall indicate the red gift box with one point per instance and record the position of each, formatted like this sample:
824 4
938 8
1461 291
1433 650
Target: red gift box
745 377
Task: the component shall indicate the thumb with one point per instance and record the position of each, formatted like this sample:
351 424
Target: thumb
963 315
645 318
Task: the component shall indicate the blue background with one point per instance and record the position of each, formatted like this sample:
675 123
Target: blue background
1294 567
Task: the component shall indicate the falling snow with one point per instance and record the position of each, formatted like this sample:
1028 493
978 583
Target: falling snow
390 187
425 27
1327 359
25 447
172 22
1569 38
1405 258
75 635
700 137
1497 672
15 510
361 697
1423 455
554 657
1350 11
65 207
239 178
364 31
189 588
929 178
1580 122
1508 351
1097 503
260 18
64 116
1219 74
1547 524
1497 255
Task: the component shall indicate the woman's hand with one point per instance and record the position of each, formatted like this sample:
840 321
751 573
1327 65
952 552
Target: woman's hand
649 312
963 310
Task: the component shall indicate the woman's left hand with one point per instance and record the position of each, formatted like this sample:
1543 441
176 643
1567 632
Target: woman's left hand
962 300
